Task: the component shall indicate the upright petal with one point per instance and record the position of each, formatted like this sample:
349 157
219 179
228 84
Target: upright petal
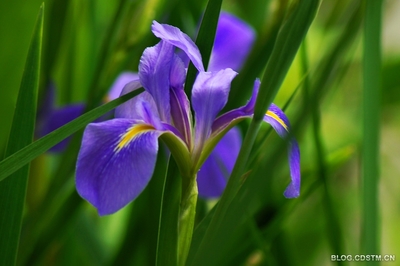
130 109
178 73
179 39
209 96
181 115
154 74
213 175
115 163
123 79
233 41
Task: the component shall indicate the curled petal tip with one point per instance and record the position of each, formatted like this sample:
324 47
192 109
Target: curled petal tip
176 37
293 190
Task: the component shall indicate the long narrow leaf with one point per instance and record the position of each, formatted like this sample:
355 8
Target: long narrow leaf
13 190
287 44
204 40
30 152
371 111
167 247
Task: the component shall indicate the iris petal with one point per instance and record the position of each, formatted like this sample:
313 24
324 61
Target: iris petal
293 189
154 73
180 113
245 111
178 73
130 109
179 39
233 41
214 173
278 120
123 79
114 173
209 96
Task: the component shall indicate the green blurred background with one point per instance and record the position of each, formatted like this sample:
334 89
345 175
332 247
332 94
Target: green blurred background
71 55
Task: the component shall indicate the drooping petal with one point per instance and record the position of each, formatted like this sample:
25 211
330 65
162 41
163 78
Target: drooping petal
233 41
123 79
239 113
115 163
154 74
179 39
214 174
209 96
293 189
278 120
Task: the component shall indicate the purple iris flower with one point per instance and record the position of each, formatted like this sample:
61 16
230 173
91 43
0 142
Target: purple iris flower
118 156
233 41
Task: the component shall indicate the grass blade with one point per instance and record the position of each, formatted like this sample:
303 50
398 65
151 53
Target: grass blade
30 152
288 41
167 247
287 44
13 190
204 40
371 114
333 229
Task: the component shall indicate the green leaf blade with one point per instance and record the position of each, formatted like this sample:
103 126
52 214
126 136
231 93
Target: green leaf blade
13 190
30 152
371 125
167 246
288 42
204 40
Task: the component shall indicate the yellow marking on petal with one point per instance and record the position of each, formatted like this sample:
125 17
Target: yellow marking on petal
130 135
277 118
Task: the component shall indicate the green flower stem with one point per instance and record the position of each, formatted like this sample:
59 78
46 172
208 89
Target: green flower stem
187 218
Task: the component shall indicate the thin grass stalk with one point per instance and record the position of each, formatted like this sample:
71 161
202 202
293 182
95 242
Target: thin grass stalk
332 221
371 114
94 97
